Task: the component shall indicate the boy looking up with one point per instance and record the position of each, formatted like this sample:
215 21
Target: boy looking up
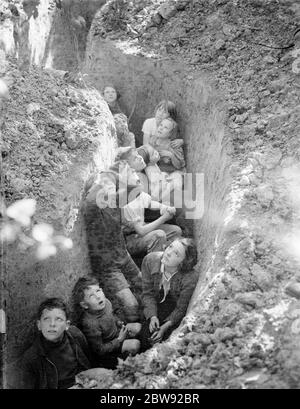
59 352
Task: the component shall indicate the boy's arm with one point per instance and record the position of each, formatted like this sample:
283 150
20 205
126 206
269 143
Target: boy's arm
143 229
148 297
177 158
95 339
146 132
146 138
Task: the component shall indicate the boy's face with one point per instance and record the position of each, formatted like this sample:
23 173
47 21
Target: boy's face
94 298
110 95
164 129
53 323
136 161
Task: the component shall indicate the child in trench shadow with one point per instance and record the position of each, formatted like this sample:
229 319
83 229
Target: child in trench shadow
111 96
59 351
107 336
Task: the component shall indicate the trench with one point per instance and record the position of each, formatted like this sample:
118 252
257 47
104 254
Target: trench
142 82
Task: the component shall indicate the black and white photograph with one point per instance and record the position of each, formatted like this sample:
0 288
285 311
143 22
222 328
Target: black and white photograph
149 197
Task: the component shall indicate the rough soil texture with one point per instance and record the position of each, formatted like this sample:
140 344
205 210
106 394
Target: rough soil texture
53 137
239 112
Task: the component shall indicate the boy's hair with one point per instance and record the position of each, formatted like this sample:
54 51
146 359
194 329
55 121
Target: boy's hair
50 304
78 294
190 255
81 285
169 107
145 154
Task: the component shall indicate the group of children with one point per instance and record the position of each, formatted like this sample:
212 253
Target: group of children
162 148
154 298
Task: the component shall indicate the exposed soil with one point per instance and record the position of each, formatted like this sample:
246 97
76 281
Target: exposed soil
230 67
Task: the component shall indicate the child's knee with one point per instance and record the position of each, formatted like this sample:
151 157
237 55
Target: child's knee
134 329
177 230
160 235
127 298
131 346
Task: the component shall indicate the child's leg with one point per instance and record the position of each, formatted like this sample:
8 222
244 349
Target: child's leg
129 303
172 232
153 241
131 346
157 182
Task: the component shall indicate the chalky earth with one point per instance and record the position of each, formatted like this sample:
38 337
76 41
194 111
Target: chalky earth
231 67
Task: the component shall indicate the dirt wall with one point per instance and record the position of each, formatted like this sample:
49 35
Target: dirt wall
55 134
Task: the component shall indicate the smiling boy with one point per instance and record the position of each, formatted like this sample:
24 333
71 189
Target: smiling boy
59 352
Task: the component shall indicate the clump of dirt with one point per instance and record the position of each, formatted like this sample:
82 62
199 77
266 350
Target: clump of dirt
49 121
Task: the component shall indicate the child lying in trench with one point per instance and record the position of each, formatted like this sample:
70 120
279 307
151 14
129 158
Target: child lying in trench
107 337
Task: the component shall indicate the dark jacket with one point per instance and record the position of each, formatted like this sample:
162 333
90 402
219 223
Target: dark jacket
38 372
182 286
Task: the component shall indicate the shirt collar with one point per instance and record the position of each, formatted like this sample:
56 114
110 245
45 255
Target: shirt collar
164 274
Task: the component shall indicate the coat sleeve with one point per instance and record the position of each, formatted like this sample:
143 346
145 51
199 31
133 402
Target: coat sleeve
28 376
178 158
148 296
81 339
188 286
94 337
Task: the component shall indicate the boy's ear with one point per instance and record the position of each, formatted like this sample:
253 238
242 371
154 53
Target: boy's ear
83 305
68 324
38 324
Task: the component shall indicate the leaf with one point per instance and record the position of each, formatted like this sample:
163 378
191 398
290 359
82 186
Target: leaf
64 242
9 232
42 232
45 250
22 210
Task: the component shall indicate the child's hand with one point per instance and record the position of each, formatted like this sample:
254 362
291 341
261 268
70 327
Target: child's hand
165 153
171 210
154 324
177 143
166 216
122 334
120 324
